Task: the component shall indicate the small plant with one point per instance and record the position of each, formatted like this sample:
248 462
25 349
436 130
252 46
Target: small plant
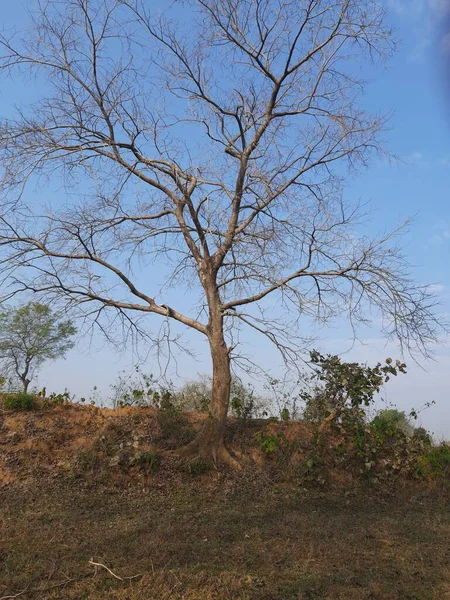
149 462
271 442
197 467
284 415
86 460
18 401
54 399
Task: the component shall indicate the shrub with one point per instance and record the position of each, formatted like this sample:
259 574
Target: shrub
245 404
195 395
392 421
438 460
18 401
337 385
54 399
421 435
171 422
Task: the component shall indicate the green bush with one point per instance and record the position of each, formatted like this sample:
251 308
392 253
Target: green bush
391 421
438 460
421 436
19 401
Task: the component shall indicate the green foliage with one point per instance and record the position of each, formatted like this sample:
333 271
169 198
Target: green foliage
30 335
18 401
54 399
270 442
171 422
392 420
437 461
336 385
286 395
421 435
242 400
284 415
244 403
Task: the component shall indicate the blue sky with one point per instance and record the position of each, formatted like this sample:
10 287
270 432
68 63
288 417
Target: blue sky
415 86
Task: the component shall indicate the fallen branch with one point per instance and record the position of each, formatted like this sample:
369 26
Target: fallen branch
96 564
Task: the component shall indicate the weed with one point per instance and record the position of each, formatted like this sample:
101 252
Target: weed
271 442
197 467
149 462
18 401
55 399
86 460
284 415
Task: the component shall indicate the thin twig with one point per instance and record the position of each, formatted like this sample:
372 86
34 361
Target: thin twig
39 590
96 564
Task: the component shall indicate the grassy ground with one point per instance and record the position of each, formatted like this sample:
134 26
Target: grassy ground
72 494
213 538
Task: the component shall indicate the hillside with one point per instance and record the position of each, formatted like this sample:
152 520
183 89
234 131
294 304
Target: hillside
94 505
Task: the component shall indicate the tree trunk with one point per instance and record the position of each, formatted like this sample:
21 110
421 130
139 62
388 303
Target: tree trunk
25 383
209 443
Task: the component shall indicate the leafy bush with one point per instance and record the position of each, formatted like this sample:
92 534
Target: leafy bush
421 435
18 401
245 404
391 421
136 389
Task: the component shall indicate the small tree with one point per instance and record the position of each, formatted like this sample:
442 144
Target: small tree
337 385
30 335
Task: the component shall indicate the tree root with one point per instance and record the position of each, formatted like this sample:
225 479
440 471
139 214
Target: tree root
217 454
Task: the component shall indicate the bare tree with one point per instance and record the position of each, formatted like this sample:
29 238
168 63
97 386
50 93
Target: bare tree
212 138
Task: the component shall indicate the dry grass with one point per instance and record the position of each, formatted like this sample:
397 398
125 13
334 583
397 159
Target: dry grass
231 540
